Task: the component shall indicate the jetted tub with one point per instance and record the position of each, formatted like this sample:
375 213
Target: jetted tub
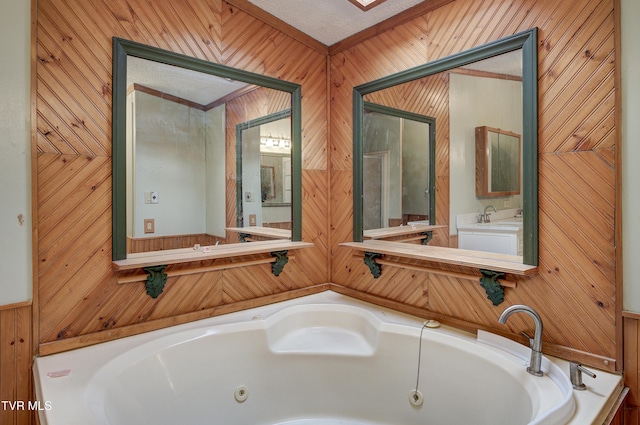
322 359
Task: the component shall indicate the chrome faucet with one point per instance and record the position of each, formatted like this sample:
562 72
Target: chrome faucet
485 217
535 363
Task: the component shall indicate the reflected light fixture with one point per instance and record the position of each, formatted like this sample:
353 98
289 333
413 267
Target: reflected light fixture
366 4
275 142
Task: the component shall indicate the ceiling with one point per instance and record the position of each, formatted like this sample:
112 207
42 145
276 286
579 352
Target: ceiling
331 21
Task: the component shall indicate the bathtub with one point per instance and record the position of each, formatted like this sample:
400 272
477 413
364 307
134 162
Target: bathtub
321 359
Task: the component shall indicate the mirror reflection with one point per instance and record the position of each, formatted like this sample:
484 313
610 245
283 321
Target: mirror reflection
484 183
180 160
264 192
398 157
498 162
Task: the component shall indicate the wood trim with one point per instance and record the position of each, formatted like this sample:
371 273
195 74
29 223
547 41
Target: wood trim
631 315
614 416
15 361
165 96
485 74
458 257
604 363
189 255
117 333
15 305
202 269
458 275
618 235
35 308
389 232
412 13
278 24
367 7
329 168
631 366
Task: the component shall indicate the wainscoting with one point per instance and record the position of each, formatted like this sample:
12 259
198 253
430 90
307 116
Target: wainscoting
16 384
631 326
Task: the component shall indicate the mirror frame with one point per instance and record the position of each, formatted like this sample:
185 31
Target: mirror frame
286 113
123 48
527 41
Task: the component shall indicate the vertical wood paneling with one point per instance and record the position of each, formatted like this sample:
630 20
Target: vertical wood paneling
15 362
575 290
631 326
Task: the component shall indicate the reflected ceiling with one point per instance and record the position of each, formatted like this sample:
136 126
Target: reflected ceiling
186 84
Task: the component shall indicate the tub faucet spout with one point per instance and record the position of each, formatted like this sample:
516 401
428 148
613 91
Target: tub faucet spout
534 367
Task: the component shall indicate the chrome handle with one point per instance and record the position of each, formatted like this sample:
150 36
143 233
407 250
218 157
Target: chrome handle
575 373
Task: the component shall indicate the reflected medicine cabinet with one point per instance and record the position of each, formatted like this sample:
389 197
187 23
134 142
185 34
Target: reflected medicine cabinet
498 162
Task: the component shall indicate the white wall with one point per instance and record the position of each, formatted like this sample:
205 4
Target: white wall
169 159
15 152
631 153
215 169
473 103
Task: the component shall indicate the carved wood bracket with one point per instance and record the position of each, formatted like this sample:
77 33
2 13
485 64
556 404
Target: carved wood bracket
281 260
427 237
156 280
489 282
370 261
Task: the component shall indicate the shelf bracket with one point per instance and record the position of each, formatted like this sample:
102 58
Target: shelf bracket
428 235
156 280
370 261
281 260
489 282
242 237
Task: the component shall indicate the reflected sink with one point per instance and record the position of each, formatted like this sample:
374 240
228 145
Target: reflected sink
510 224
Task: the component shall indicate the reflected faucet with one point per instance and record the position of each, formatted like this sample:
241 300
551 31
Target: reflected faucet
535 363
485 217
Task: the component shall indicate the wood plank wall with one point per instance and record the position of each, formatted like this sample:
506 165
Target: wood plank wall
77 294
575 290
632 367
15 362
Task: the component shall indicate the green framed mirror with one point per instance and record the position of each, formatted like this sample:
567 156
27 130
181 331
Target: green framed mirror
450 78
264 143
188 187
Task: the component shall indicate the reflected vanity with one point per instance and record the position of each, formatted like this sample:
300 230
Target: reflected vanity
493 87
180 155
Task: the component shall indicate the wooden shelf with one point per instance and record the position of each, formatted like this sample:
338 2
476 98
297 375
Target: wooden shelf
265 232
389 232
186 255
460 257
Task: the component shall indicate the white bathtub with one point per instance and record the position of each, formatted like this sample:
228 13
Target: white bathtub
322 359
